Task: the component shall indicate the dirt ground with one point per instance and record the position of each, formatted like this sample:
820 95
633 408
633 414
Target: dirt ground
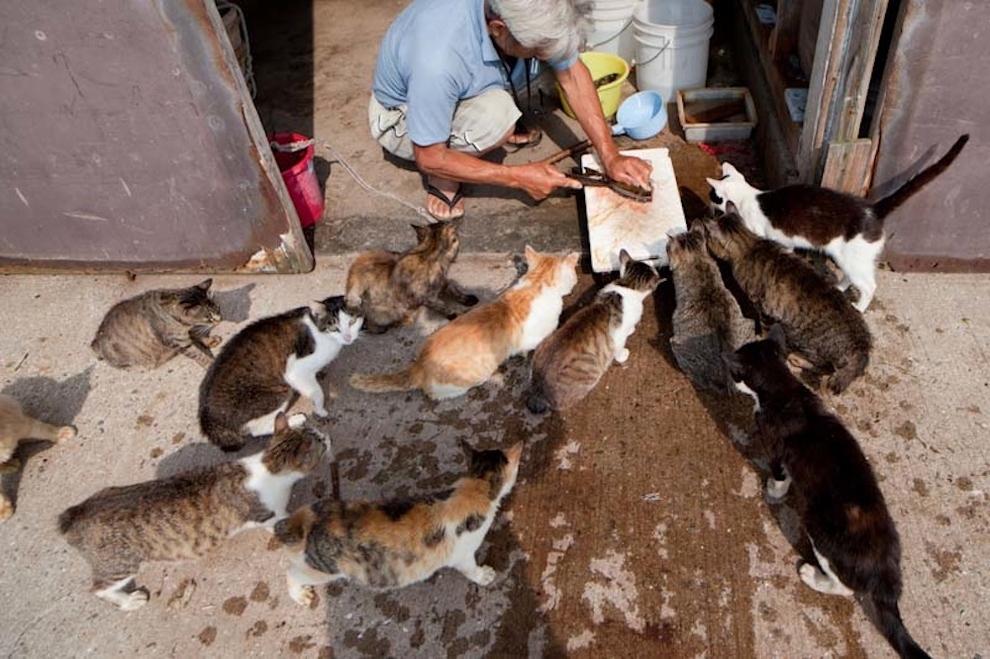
638 527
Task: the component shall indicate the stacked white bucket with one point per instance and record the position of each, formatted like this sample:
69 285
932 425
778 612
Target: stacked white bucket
671 40
613 31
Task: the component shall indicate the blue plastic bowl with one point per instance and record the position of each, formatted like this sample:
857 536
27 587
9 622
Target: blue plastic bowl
641 116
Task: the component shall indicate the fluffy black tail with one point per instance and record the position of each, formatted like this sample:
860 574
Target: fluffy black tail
892 627
67 519
885 206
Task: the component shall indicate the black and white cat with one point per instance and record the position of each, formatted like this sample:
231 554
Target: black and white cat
838 499
846 227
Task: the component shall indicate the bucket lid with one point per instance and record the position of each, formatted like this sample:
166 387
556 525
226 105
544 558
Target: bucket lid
682 14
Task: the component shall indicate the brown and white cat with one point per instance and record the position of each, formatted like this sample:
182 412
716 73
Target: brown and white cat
570 362
16 427
391 544
838 499
390 287
819 323
846 227
707 321
189 514
467 351
264 367
149 329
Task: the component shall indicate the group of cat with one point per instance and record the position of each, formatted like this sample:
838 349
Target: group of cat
260 372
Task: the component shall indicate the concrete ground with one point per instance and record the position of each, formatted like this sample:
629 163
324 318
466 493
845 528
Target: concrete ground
638 526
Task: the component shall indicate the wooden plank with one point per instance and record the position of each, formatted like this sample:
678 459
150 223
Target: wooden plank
847 166
784 37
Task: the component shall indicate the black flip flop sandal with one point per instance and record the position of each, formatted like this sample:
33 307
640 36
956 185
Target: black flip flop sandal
434 191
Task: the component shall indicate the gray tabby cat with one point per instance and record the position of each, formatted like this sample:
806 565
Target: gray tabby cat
818 321
570 362
264 367
15 427
149 329
187 515
707 320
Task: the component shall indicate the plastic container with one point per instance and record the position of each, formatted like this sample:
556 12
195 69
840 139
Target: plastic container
601 65
641 116
612 28
299 176
671 38
703 113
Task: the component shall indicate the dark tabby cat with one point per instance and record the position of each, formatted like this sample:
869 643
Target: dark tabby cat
846 227
707 320
264 367
570 362
391 544
390 287
818 321
15 427
149 329
187 515
838 499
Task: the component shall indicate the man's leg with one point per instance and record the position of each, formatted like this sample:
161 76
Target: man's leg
480 124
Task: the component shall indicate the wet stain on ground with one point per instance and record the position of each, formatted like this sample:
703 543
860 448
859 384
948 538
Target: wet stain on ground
260 593
946 561
300 644
207 636
907 430
235 606
258 628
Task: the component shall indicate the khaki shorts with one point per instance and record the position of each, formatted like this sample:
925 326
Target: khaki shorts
480 122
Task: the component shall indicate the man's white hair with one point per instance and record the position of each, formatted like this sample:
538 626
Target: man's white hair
557 29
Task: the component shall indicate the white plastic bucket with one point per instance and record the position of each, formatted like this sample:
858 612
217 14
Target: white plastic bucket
671 44
613 31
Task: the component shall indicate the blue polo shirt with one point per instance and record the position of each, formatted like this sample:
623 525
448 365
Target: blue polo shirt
434 54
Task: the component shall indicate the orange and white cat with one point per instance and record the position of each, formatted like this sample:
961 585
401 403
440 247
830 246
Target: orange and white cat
15 427
468 351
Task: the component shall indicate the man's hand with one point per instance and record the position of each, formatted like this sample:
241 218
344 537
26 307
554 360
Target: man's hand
630 170
539 179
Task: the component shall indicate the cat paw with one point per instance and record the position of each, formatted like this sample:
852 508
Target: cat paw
297 421
133 600
212 341
66 432
809 575
303 595
484 575
6 509
622 356
777 490
321 412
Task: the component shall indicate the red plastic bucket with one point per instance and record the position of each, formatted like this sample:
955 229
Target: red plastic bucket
300 178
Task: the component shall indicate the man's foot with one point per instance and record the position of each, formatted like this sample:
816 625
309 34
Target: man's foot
522 138
444 200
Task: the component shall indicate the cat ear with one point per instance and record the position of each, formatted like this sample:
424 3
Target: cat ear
281 423
728 169
531 256
205 284
421 231
731 208
731 361
715 183
572 259
469 451
779 339
514 452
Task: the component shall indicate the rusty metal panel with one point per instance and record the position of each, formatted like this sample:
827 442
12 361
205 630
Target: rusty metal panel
936 89
129 142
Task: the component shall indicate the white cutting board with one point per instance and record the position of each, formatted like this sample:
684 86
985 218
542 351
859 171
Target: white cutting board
615 222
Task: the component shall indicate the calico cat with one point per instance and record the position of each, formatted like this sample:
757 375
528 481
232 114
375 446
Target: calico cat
818 321
187 515
467 351
846 227
149 329
707 320
570 362
390 287
264 367
15 427
391 544
838 499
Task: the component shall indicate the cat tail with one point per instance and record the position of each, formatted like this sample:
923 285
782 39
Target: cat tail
404 380
892 628
885 206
